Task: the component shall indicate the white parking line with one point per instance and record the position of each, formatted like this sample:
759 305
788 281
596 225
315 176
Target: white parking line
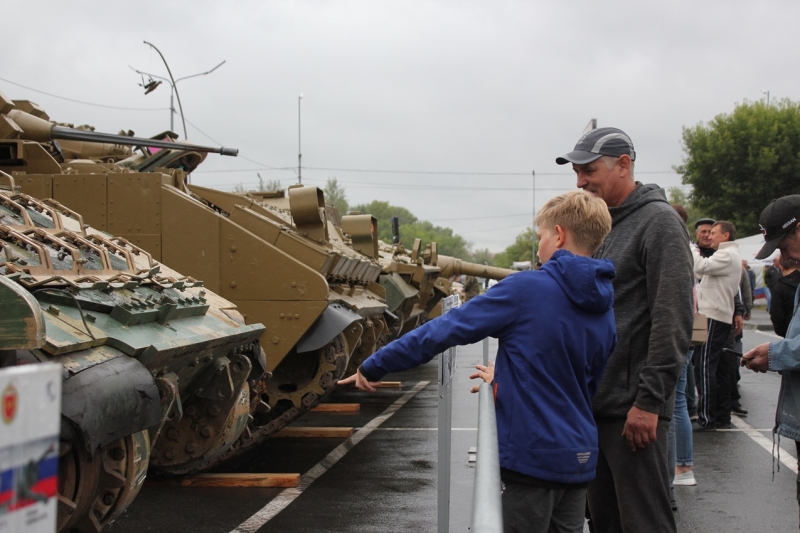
786 458
424 429
287 496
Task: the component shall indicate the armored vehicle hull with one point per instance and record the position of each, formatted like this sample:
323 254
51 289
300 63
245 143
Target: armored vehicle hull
156 369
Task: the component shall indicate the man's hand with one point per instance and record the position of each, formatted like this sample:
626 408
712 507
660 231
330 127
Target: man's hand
757 359
640 428
485 373
360 382
738 324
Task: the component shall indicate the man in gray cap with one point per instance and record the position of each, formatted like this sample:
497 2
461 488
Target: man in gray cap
779 222
649 245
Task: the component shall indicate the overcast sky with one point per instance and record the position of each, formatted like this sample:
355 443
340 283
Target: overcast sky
444 108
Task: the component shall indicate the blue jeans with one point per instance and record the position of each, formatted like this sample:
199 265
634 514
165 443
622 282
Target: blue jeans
681 451
768 294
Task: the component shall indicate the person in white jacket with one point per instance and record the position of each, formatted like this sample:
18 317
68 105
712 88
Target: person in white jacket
719 281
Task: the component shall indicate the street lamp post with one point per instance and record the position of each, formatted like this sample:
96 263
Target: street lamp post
766 91
299 145
533 224
174 89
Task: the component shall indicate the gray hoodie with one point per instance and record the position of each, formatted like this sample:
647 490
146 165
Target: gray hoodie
649 245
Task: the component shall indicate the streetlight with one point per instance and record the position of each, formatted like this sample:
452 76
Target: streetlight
766 91
299 151
151 85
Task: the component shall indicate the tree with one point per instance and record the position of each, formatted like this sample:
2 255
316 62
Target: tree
269 186
739 162
677 196
447 242
384 212
521 250
335 195
483 256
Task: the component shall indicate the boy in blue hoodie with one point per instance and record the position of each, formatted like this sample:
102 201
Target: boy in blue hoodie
556 330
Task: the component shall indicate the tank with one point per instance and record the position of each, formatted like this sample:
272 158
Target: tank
157 369
284 267
416 281
347 260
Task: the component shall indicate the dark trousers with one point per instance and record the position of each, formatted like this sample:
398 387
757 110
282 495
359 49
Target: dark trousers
631 491
531 509
691 387
797 445
713 377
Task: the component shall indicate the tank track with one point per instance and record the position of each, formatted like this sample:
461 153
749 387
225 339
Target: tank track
297 385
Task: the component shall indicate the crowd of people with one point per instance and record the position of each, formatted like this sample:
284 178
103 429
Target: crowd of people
594 392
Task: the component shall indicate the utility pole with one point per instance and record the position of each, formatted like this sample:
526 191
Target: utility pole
533 224
299 145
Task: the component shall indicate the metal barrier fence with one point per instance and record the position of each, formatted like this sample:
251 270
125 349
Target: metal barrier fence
487 508
447 367
487 515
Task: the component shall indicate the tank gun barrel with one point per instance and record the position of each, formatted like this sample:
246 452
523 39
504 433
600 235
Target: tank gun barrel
452 266
39 130
70 134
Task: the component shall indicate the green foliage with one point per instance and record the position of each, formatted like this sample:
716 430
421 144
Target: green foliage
269 186
739 162
483 256
521 250
677 196
384 212
335 194
448 243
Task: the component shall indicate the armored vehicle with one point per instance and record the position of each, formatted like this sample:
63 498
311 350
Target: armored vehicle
157 369
282 267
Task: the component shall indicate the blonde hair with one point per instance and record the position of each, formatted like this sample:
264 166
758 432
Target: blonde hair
584 215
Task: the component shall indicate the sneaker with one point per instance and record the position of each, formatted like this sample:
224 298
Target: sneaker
724 425
738 410
686 479
698 427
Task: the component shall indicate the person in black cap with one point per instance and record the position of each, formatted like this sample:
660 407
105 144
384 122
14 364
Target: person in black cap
779 222
702 231
649 245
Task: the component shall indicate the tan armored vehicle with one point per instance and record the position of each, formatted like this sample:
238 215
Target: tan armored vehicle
283 267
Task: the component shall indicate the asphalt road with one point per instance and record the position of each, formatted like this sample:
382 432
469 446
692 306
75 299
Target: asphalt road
387 481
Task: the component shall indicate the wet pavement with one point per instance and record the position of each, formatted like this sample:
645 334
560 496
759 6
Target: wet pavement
387 481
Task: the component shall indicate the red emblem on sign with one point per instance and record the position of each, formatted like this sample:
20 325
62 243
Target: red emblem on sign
10 400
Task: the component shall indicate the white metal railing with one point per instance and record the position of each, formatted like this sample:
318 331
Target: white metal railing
487 508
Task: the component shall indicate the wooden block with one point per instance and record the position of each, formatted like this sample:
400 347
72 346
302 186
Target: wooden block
336 433
389 385
337 408
386 384
231 480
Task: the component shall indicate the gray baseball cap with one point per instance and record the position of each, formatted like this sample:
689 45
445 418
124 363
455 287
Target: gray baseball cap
597 143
